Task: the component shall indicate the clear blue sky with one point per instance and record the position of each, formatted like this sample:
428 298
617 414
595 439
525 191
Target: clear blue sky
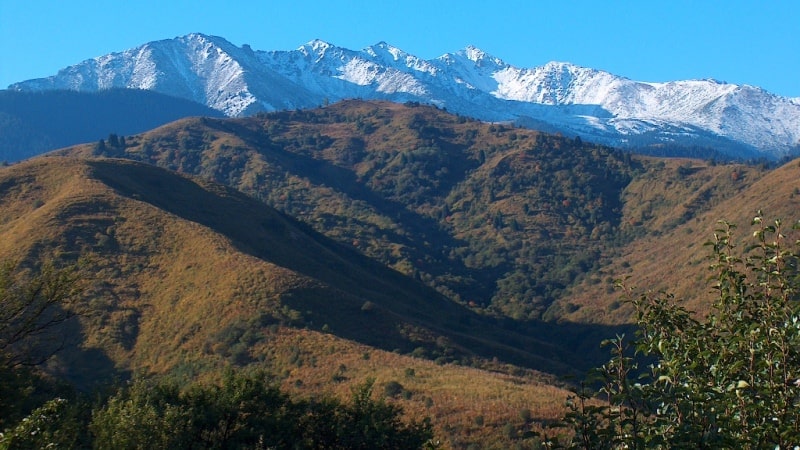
751 42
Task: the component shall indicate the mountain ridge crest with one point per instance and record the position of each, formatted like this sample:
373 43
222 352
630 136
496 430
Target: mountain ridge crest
739 120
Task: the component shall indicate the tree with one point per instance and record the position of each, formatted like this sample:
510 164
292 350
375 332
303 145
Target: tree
364 423
728 380
58 423
113 140
142 416
33 302
246 410
100 147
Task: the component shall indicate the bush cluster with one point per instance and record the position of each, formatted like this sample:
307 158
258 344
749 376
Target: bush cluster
728 380
243 411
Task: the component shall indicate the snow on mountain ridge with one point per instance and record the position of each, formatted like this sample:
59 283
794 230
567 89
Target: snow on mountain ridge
316 47
480 57
240 81
388 55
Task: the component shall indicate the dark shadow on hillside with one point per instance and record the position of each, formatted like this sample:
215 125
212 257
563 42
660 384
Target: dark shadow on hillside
406 312
86 369
423 231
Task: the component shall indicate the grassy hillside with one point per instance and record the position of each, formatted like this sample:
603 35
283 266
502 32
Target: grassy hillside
508 222
497 218
191 277
201 249
464 265
672 212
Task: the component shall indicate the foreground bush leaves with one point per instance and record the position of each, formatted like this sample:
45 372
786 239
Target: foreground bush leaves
729 380
243 411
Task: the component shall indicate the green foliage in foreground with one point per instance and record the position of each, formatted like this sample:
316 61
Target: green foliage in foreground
32 303
731 380
244 411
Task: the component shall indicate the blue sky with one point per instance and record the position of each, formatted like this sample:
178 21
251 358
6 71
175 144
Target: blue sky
750 42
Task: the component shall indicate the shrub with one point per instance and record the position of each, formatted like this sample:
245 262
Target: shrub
393 389
730 380
247 411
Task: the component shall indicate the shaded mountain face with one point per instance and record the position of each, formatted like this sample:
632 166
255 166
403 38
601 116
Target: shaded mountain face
504 221
190 281
183 269
32 123
736 120
497 218
192 276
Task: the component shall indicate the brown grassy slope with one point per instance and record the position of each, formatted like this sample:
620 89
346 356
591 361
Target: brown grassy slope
506 221
499 218
192 277
670 255
671 192
148 264
467 405
183 248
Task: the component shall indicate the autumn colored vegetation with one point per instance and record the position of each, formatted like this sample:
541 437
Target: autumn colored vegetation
457 271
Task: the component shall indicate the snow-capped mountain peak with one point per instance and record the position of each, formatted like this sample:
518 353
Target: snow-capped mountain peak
315 47
397 59
738 119
480 57
386 54
382 49
474 53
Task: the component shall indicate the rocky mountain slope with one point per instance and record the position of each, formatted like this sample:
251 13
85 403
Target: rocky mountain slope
737 120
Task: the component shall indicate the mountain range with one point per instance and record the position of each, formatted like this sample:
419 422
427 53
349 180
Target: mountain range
464 266
506 221
739 121
187 278
369 215
32 123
